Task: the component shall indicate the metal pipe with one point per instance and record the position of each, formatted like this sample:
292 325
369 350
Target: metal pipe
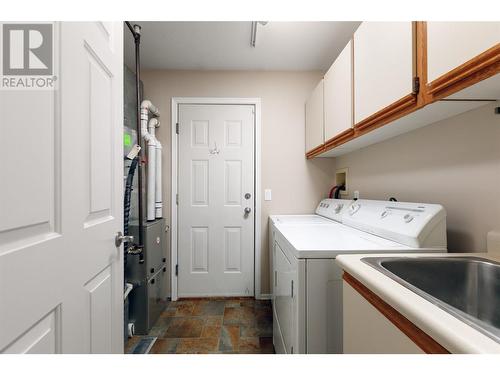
136 32
130 28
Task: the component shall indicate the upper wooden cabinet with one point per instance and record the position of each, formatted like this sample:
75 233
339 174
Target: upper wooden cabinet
338 95
394 77
384 66
457 50
315 120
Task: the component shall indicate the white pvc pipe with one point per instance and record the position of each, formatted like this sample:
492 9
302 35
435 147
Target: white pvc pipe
146 104
146 107
158 198
151 180
152 125
127 291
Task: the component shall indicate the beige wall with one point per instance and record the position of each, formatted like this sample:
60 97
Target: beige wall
455 162
297 184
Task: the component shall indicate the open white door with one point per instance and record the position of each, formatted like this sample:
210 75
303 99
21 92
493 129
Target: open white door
61 201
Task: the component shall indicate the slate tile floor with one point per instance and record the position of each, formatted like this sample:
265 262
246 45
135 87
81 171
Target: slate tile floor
236 325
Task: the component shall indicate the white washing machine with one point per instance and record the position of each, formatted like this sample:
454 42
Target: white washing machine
306 282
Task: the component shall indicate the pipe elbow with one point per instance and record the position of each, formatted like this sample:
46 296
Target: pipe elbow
150 140
145 104
148 106
155 111
153 122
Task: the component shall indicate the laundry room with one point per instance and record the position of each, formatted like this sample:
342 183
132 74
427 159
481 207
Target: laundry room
302 188
312 139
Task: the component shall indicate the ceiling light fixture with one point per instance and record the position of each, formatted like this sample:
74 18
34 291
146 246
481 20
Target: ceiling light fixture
253 34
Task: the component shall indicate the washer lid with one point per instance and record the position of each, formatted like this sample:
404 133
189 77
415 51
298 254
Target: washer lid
336 238
301 220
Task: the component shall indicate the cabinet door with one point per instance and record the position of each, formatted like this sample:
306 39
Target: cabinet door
450 44
383 66
367 331
338 94
314 119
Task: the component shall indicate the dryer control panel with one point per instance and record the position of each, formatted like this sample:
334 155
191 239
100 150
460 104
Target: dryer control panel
333 208
412 224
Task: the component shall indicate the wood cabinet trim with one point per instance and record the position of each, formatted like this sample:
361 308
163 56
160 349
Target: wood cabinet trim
483 66
339 138
388 113
315 151
399 109
422 62
415 334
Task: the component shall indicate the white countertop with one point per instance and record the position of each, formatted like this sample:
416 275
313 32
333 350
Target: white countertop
450 332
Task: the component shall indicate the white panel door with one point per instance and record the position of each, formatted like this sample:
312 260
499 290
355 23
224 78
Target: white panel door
61 275
451 44
215 186
383 66
338 94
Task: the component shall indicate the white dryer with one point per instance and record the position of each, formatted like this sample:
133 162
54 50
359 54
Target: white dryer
328 212
306 282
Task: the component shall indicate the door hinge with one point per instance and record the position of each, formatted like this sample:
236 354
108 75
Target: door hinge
177 199
416 85
177 128
176 270
292 288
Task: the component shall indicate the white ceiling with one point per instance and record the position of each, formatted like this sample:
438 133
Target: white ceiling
226 45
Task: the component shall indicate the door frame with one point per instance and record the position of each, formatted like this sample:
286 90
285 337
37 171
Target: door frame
256 102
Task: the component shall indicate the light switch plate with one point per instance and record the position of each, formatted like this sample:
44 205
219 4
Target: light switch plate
267 195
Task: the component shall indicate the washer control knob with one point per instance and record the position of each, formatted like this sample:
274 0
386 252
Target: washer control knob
337 208
354 208
407 218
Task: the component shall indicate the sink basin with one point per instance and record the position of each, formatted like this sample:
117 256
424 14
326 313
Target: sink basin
466 287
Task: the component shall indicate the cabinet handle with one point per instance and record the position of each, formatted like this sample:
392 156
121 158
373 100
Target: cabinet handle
292 288
275 278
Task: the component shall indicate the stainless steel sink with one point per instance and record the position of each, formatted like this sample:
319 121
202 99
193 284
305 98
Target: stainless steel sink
466 287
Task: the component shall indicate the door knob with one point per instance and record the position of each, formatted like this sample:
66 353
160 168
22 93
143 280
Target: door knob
120 238
247 210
